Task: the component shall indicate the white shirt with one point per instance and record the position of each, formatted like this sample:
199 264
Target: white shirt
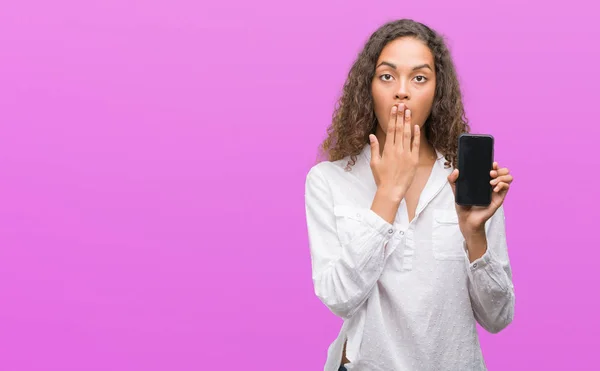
407 293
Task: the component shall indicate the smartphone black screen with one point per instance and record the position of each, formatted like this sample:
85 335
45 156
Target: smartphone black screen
475 160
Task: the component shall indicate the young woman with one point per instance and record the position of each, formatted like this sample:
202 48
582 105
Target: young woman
408 270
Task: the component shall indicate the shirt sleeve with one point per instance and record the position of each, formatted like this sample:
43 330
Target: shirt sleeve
490 279
344 271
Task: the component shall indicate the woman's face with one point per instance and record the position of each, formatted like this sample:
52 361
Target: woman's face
405 73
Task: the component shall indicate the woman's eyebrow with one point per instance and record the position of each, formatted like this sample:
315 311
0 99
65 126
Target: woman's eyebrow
420 66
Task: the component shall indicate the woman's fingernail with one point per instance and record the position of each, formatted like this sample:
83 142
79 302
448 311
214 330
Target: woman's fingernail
394 109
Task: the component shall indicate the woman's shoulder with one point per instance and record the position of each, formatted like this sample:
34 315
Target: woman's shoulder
339 169
323 171
331 171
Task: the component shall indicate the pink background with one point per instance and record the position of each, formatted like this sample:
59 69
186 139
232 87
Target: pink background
152 164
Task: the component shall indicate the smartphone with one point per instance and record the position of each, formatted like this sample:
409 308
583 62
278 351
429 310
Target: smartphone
475 161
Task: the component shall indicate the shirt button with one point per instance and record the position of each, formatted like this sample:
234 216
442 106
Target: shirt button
474 265
358 215
390 231
402 233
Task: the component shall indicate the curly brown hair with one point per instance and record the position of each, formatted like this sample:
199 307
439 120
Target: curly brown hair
354 118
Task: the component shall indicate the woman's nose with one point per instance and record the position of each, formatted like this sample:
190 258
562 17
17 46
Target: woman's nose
402 91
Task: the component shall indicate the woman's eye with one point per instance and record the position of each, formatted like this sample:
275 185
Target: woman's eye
386 77
421 78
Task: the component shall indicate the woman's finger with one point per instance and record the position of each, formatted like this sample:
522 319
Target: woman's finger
499 172
391 130
503 178
502 187
416 142
503 171
400 126
407 129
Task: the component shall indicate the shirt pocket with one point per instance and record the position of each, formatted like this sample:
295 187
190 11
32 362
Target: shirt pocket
348 220
447 239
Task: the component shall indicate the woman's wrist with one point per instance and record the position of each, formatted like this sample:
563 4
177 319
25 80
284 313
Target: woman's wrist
390 194
476 244
386 204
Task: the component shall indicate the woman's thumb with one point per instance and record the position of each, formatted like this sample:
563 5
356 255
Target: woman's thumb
452 179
